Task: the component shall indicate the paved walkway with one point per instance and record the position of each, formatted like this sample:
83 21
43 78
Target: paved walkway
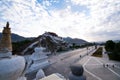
100 68
105 56
94 67
61 63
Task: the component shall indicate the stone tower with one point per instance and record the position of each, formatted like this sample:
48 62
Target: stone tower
11 67
5 42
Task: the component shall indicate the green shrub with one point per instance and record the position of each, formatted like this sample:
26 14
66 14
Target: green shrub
98 52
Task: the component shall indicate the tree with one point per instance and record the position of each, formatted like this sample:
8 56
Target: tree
109 45
19 46
117 49
114 48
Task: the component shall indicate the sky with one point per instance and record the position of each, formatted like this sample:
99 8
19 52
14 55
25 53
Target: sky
91 20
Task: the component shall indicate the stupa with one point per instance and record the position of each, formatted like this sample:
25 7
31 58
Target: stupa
11 67
38 60
5 42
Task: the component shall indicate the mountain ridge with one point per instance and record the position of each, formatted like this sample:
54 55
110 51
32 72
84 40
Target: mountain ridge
16 37
76 41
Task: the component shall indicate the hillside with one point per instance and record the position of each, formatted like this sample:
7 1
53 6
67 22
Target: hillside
16 38
51 41
75 41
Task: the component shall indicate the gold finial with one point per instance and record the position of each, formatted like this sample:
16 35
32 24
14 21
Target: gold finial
7 25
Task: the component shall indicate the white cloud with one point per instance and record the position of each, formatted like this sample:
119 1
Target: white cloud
29 18
100 11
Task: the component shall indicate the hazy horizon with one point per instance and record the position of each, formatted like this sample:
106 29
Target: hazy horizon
91 20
